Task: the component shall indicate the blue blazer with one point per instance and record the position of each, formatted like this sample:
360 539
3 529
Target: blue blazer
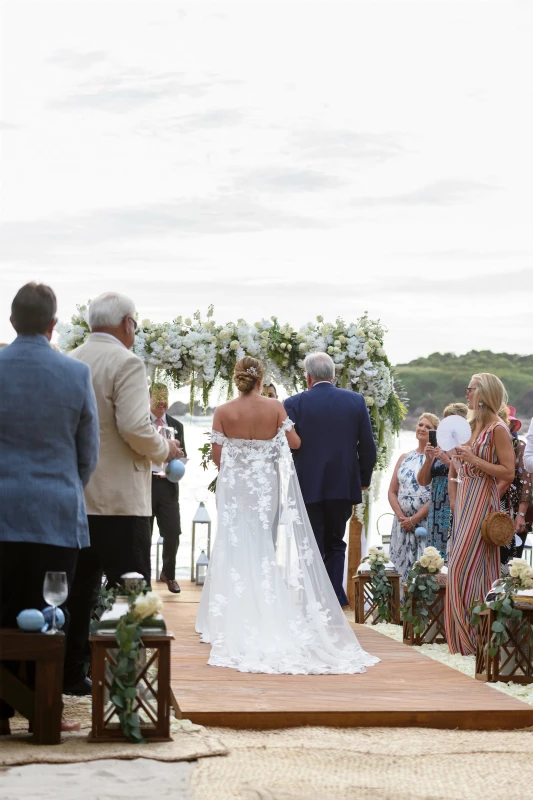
49 440
338 452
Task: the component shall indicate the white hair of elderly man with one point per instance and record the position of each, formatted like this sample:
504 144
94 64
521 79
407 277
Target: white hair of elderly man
109 309
319 367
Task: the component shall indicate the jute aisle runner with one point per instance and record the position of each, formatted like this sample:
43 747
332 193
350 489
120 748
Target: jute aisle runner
367 764
187 745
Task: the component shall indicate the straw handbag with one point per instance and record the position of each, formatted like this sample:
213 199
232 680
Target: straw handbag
497 529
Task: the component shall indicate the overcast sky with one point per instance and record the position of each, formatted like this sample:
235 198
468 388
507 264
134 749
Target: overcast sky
288 158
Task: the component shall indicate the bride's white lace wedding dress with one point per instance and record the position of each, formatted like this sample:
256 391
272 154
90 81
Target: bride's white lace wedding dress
268 604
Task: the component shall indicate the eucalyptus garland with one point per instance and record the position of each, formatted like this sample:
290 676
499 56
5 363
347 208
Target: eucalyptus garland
504 610
381 589
123 692
422 590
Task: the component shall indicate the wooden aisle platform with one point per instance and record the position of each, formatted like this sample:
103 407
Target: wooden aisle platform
405 689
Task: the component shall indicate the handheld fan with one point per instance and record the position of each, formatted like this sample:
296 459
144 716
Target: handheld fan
452 432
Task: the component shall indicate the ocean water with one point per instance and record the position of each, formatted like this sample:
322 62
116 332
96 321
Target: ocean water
195 481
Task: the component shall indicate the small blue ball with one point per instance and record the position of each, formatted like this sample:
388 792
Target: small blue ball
31 619
421 532
60 617
175 470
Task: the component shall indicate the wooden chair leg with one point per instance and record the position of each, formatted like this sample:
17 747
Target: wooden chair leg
48 704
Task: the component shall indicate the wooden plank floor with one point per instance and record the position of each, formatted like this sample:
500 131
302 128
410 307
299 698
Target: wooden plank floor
405 689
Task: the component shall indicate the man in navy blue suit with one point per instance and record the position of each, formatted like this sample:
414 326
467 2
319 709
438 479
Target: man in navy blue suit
335 461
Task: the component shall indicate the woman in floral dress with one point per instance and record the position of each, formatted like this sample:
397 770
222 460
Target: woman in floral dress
488 458
409 500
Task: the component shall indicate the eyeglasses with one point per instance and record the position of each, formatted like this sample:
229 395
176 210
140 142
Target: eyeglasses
470 389
134 322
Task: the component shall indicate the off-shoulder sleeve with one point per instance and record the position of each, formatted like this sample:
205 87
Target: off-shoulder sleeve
217 437
287 425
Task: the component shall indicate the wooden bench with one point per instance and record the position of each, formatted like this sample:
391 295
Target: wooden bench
43 705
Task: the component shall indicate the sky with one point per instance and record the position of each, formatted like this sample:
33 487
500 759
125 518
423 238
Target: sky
286 158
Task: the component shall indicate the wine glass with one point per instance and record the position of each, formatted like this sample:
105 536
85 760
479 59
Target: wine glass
167 433
457 463
55 592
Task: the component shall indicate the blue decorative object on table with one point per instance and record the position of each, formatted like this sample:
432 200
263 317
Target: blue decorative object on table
421 535
48 614
31 619
175 470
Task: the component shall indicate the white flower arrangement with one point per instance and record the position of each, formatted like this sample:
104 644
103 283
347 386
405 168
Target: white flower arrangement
199 353
432 560
146 606
376 555
519 568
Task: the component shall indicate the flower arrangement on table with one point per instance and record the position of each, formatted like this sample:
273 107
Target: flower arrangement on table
123 692
504 596
378 561
202 355
422 589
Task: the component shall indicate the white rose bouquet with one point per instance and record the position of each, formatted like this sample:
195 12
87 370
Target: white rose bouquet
521 570
146 606
432 560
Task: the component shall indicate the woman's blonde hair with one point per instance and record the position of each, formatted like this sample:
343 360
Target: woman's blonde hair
431 417
458 409
246 374
490 397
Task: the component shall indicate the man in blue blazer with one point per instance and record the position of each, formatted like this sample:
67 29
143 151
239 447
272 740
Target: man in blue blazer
49 439
335 460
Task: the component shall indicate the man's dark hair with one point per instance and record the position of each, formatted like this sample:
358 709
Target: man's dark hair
33 309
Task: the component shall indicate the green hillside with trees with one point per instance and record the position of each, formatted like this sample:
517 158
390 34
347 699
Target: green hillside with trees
433 382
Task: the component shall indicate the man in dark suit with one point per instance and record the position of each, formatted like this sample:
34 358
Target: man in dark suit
335 460
165 494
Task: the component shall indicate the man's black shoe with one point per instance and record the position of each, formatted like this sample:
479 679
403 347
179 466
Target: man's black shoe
174 587
80 689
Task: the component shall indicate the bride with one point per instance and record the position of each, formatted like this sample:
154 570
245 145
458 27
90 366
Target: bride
268 604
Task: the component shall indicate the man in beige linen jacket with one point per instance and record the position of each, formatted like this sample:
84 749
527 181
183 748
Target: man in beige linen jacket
118 496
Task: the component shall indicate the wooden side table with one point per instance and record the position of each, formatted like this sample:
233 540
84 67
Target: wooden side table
153 688
366 608
513 661
42 705
434 629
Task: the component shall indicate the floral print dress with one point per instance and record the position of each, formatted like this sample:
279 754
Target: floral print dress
411 497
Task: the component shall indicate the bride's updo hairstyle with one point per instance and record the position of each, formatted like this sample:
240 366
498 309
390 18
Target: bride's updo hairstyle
246 374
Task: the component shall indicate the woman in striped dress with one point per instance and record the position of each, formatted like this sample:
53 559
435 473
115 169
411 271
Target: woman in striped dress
488 458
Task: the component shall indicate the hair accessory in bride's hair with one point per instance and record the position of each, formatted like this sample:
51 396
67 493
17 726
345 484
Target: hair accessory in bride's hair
252 371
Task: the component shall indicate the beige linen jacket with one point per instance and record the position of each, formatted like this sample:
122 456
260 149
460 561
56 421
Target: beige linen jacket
121 485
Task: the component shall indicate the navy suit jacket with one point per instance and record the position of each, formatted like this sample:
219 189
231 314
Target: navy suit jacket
49 439
338 452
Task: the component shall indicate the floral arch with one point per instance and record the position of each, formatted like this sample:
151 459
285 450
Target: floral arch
202 354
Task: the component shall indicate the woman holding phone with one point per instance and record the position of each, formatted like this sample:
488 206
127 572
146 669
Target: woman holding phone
434 473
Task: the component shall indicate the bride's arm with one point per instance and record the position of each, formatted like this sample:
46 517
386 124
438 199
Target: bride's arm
292 437
216 449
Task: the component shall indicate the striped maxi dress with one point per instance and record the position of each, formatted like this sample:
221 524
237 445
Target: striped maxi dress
473 565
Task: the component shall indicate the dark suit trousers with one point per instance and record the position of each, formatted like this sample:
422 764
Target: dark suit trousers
328 520
166 509
118 545
23 566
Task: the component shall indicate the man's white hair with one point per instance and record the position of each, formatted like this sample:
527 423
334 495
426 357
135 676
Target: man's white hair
109 309
319 366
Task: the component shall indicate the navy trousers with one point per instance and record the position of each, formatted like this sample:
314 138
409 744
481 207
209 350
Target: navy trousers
328 520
